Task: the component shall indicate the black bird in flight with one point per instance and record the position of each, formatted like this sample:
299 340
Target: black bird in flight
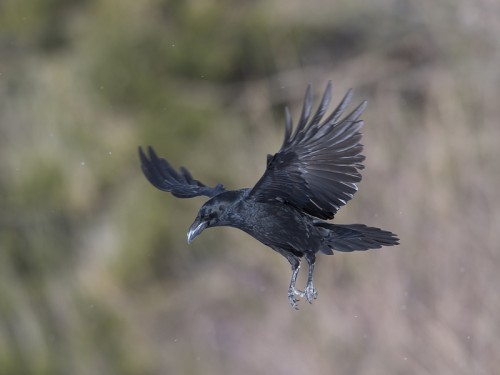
305 183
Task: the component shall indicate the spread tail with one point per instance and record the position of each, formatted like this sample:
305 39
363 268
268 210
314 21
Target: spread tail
353 237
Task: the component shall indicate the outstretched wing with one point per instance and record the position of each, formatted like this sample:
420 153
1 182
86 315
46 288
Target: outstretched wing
164 177
317 167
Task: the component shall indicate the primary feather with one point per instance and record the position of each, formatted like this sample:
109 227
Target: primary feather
317 168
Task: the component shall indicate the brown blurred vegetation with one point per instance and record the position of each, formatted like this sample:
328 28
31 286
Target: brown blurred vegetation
95 273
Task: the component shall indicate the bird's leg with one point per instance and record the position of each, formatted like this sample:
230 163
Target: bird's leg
310 292
292 292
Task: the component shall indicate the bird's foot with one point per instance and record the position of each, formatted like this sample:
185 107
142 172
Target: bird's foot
310 292
292 292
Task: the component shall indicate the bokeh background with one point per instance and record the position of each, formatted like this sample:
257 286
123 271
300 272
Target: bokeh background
96 276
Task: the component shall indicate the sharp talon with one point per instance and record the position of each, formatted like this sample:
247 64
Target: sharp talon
293 302
310 292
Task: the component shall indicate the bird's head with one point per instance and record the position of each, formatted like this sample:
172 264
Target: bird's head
216 212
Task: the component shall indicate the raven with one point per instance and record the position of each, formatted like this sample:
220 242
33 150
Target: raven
305 183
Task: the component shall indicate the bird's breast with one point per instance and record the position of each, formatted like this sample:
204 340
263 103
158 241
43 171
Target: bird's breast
279 225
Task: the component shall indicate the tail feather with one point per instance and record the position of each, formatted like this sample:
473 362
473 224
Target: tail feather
353 237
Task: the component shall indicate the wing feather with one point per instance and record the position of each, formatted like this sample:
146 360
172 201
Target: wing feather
306 109
317 167
163 176
288 126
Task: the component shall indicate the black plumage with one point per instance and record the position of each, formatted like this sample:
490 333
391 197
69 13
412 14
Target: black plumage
306 182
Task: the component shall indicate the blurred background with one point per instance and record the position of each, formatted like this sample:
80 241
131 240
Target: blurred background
96 276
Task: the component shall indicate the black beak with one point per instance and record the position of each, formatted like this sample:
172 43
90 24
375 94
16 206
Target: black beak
195 229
